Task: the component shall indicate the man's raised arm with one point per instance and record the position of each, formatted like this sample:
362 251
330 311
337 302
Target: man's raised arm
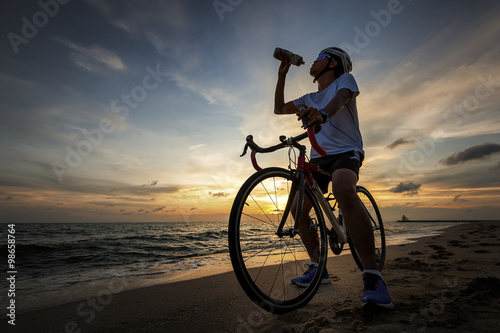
280 107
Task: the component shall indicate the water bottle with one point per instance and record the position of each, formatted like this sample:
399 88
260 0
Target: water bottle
282 54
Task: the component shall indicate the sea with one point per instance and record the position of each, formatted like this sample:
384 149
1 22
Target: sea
56 263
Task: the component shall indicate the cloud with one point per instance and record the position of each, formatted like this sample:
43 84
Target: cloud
219 194
158 209
211 93
458 199
133 16
161 46
430 81
92 58
197 146
408 188
398 142
153 183
495 167
84 62
473 153
105 204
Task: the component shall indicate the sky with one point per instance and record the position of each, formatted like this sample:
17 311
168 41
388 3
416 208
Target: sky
118 111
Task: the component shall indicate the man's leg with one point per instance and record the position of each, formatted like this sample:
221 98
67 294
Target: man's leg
310 239
355 216
359 227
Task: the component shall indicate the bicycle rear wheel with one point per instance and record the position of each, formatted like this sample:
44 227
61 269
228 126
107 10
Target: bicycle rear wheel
377 227
263 262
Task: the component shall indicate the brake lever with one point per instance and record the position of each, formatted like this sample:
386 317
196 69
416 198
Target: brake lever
317 126
304 123
244 150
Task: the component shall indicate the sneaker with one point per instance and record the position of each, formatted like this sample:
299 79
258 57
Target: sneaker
376 291
305 279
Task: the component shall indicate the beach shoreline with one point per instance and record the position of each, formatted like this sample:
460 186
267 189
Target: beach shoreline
440 283
58 283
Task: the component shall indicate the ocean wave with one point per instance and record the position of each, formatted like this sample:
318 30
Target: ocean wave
56 257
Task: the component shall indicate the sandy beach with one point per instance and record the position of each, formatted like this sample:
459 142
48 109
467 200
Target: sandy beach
444 283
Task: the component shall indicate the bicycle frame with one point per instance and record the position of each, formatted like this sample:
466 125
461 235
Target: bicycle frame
327 210
305 178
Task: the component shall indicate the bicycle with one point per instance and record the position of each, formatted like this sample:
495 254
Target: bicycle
265 252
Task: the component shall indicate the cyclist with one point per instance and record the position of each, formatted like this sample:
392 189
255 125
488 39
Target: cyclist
334 105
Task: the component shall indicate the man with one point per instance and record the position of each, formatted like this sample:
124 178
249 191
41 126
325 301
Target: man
334 105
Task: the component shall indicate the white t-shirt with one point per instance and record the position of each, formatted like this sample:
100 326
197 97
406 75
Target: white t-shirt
340 133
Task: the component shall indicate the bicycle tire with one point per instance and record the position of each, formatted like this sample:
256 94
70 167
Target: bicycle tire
263 262
377 226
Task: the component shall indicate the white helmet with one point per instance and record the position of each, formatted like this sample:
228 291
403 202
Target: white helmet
346 60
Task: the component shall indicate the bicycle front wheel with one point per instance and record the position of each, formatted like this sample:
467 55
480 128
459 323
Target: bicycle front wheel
377 227
264 262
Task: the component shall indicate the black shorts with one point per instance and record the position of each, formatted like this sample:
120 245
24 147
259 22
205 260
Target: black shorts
351 160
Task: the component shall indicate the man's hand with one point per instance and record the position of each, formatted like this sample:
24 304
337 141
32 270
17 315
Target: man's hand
284 67
312 116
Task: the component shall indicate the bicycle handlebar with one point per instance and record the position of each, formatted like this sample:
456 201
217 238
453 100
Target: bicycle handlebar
293 141
284 143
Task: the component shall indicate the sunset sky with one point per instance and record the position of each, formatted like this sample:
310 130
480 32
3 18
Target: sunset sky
138 110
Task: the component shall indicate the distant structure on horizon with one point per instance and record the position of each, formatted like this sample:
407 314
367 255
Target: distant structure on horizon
405 219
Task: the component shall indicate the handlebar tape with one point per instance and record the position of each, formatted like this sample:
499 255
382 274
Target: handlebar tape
314 143
311 134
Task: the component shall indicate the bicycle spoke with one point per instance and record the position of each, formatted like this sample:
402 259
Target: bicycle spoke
256 218
260 270
263 249
270 196
263 260
280 266
262 210
302 246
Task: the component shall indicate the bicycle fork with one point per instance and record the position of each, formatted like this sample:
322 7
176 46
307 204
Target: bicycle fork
297 187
